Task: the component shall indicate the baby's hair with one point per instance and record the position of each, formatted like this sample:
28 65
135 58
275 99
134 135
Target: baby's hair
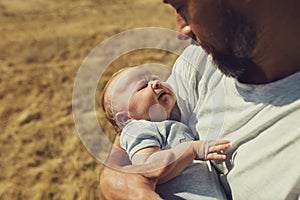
106 101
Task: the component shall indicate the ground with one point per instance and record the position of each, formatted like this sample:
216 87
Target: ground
43 44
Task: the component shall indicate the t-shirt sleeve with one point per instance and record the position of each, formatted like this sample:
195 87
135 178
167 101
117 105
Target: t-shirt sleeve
138 135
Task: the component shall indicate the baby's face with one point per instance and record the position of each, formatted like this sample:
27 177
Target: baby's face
143 95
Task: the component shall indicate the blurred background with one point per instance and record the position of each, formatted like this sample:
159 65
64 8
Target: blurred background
42 46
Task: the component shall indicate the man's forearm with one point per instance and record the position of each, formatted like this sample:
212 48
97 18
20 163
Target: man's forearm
119 185
117 157
119 180
183 157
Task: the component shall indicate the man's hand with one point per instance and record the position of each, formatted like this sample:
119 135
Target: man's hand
120 185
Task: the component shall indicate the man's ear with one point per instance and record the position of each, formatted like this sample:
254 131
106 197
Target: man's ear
122 119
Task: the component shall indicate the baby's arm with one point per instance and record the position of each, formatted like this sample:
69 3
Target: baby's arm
176 159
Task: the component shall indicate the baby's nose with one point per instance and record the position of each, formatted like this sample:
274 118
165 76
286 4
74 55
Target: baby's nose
155 83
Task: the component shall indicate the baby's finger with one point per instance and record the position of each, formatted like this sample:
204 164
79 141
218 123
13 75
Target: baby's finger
211 143
217 148
217 142
215 156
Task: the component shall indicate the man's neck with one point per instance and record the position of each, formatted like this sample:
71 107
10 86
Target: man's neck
277 54
255 75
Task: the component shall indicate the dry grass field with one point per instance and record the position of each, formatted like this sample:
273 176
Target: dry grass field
42 46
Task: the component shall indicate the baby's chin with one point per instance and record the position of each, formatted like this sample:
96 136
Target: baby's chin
158 113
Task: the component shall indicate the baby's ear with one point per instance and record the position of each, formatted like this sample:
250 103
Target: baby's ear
122 119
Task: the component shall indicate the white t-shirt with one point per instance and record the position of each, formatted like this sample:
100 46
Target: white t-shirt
262 122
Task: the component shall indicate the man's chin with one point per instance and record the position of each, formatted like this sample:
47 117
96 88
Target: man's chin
229 65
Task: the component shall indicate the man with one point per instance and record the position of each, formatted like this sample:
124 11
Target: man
255 43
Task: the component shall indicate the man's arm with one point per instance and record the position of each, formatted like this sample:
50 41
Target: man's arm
119 180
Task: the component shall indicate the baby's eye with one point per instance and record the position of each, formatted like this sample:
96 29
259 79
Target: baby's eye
154 78
142 86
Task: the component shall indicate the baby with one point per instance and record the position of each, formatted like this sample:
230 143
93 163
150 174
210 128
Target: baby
144 111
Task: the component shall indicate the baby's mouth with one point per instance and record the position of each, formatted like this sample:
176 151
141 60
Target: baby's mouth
161 95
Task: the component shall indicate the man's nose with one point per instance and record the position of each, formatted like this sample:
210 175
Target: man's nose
183 29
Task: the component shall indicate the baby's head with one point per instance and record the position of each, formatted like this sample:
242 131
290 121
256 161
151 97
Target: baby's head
135 93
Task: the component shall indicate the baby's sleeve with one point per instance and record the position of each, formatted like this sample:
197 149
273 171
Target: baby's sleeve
138 135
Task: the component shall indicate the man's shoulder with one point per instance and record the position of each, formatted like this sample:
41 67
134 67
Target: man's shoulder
196 69
195 63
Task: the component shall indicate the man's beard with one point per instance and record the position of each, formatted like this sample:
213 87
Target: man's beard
240 42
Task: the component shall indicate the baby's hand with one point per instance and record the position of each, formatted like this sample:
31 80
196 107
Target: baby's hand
209 149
